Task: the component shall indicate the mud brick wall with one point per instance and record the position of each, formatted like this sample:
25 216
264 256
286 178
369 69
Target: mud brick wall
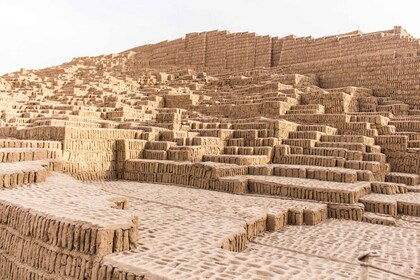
67 123
333 102
345 45
196 48
387 62
128 149
265 109
386 75
208 50
276 50
240 53
400 157
200 147
13 143
296 80
48 133
34 245
330 119
165 52
88 153
201 175
184 101
307 192
216 49
91 154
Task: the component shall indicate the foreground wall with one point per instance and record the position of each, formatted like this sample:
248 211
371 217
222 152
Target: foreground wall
54 231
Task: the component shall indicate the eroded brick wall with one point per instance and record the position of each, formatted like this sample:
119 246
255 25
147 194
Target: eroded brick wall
387 61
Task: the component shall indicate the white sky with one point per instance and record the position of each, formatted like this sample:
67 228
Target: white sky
42 33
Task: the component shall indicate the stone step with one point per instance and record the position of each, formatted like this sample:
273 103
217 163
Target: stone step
355 126
334 152
349 138
308 189
379 203
304 143
21 173
246 133
223 134
397 204
324 161
344 145
304 112
379 219
204 175
235 150
314 135
392 142
367 132
363 169
403 178
28 154
415 188
238 159
414 144
155 154
250 125
188 153
259 142
344 211
16 143
308 106
321 119
408 203
376 169
333 174
160 145
388 188
379 157
406 125
329 130
412 136
374 166
386 130
372 119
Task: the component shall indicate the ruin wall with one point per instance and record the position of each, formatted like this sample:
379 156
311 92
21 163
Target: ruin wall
388 61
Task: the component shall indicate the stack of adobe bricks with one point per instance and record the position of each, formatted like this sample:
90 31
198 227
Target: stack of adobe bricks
46 243
389 71
202 175
216 49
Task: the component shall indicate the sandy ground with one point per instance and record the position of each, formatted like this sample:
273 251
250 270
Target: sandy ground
179 227
65 198
181 230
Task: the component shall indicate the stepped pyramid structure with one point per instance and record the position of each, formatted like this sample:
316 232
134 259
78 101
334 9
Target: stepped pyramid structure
216 156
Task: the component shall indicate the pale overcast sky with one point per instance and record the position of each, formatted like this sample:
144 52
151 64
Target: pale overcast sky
41 33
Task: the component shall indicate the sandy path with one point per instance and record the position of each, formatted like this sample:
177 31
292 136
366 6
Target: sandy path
180 226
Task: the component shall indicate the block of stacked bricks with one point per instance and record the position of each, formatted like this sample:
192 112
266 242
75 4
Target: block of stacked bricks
401 158
205 175
64 243
216 49
128 149
196 47
263 51
92 153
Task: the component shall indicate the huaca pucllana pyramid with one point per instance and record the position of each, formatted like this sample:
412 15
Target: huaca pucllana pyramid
216 156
